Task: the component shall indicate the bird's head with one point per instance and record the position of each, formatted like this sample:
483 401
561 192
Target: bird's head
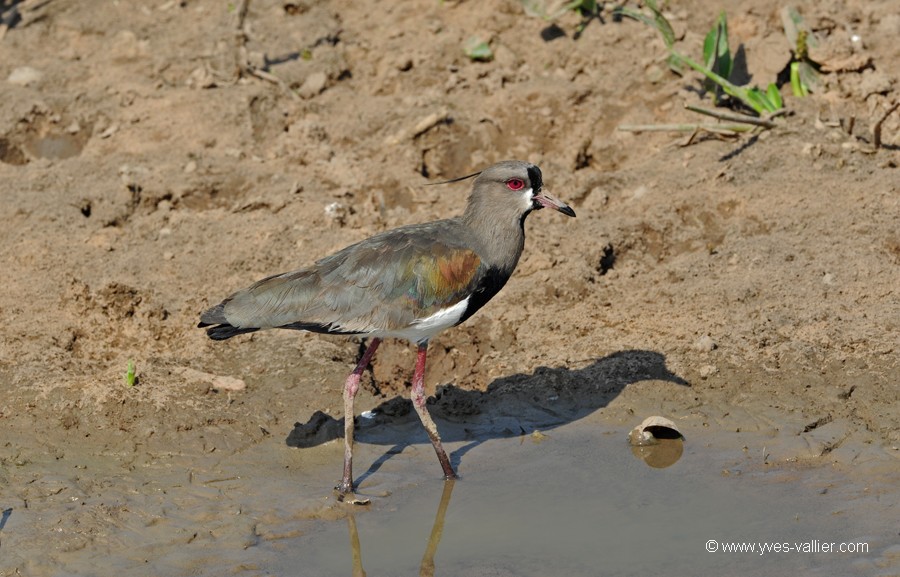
514 185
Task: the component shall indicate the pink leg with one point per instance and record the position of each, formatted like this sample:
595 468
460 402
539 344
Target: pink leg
351 386
418 399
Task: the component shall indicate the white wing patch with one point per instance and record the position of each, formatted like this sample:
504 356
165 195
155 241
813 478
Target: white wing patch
423 329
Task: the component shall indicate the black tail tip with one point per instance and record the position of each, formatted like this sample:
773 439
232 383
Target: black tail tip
225 331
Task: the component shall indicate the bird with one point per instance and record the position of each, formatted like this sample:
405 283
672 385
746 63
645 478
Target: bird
409 283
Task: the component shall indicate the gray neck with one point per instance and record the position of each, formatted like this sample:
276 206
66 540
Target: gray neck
498 230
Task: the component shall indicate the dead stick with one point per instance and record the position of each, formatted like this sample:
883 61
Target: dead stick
717 127
241 13
764 122
241 63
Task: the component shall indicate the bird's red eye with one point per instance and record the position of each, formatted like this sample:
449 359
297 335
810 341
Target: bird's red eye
515 184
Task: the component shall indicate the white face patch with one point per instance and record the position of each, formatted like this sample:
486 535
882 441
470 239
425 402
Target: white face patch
527 199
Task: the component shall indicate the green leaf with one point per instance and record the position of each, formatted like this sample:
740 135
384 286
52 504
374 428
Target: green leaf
717 55
760 101
757 100
716 52
584 7
724 60
477 49
804 73
754 99
799 34
809 76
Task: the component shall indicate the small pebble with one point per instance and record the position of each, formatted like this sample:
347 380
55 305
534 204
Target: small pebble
704 344
228 383
24 75
708 370
336 211
404 63
313 85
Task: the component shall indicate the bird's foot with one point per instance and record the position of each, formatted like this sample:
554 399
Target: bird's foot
352 498
345 494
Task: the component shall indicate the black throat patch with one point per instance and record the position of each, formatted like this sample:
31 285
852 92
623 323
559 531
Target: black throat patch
489 285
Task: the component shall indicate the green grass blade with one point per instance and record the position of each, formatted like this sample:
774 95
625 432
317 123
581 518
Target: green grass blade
657 21
130 374
797 87
755 99
760 102
729 88
763 100
752 97
662 24
774 97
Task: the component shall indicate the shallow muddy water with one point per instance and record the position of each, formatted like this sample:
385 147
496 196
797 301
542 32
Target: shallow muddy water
573 501
582 505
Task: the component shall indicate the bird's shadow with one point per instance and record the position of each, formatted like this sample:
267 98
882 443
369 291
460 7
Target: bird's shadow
511 406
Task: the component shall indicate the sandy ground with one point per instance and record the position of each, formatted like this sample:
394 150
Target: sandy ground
740 286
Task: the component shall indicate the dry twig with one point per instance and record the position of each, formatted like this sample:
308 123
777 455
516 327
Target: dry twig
876 128
765 122
734 123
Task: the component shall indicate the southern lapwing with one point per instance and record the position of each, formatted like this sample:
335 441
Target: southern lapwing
409 283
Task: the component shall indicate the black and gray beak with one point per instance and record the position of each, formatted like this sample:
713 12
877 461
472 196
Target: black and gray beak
546 200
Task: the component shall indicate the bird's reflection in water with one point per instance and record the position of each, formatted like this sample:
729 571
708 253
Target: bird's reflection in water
355 553
426 567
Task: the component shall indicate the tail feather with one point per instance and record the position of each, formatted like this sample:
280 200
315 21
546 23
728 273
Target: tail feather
222 329
214 316
226 331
